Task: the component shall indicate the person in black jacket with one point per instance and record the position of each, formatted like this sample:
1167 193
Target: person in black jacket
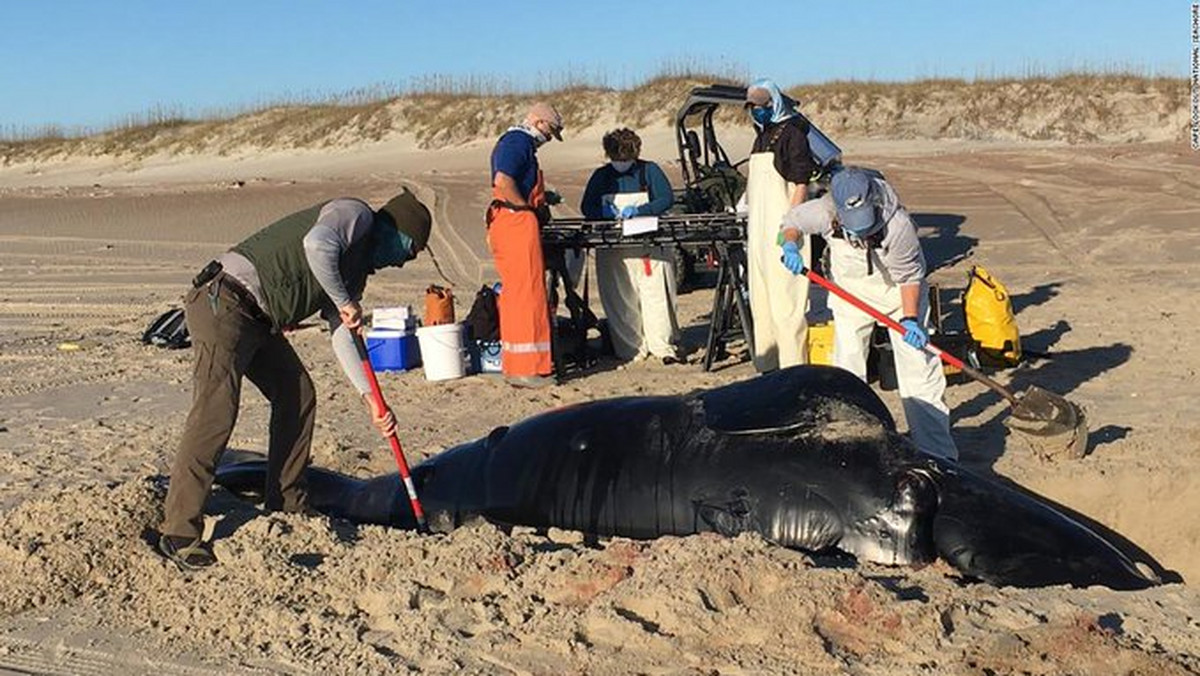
781 165
784 134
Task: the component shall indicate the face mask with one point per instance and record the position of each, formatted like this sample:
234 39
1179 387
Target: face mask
761 115
392 248
865 241
539 139
622 166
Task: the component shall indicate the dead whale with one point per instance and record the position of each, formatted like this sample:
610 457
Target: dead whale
807 457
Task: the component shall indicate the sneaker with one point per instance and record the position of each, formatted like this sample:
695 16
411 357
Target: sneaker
187 553
530 382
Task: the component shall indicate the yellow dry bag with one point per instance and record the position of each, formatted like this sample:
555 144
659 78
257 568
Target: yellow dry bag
990 319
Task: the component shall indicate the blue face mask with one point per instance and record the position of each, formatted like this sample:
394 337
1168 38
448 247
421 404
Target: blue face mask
390 247
761 115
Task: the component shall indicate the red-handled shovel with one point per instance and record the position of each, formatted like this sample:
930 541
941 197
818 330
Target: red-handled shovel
1037 412
397 452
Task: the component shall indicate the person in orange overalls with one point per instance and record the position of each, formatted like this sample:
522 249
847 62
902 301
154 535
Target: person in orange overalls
517 210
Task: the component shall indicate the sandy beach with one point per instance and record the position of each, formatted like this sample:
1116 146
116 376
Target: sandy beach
1097 244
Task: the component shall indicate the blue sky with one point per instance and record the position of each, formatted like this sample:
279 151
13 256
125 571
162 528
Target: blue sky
93 63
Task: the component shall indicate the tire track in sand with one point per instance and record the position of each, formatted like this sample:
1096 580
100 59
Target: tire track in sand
1034 208
451 242
82 376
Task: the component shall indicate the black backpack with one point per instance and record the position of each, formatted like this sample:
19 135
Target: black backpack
484 318
169 331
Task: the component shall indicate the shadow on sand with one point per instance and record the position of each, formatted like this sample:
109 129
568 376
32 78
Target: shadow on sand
1061 375
947 245
1059 372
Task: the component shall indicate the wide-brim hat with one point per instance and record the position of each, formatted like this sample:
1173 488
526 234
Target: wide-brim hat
410 217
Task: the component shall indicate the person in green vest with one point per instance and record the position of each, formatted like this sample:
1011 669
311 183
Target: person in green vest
313 261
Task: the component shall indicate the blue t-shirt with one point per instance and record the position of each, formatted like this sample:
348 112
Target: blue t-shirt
515 154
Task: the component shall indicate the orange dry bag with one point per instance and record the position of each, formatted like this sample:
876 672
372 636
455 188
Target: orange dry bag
439 306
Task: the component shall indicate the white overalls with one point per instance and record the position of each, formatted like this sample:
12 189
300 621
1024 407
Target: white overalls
919 375
637 291
778 299
897 255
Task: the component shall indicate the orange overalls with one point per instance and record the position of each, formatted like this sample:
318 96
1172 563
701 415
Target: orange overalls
516 244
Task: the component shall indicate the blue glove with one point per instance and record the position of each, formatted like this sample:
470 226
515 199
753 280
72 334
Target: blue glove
792 260
628 212
608 210
913 333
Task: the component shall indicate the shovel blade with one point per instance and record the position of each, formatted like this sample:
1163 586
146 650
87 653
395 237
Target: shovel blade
1058 426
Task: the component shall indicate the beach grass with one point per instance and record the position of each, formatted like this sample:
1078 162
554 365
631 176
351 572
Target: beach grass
446 110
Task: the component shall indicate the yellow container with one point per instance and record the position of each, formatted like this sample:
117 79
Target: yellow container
820 343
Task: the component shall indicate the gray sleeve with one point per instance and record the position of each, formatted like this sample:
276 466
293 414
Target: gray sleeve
813 217
347 356
340 224
323 250
901 250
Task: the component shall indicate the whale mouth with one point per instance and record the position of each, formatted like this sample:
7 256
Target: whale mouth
1007 536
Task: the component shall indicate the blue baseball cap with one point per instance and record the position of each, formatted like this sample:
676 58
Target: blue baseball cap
854 195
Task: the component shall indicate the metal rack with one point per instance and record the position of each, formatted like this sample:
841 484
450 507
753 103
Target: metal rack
672 229
723 233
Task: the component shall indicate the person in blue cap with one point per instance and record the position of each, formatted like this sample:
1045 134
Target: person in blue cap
780 167
875 254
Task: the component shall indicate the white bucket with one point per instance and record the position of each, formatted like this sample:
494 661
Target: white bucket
442 351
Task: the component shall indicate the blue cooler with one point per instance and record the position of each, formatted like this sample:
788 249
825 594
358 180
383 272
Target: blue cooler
392 350
484 355
489 356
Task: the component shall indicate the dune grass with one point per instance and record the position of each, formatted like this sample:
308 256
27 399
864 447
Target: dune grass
439 111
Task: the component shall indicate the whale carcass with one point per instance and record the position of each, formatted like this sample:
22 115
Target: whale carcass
807 457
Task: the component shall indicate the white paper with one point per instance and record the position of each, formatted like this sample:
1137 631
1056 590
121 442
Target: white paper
639 225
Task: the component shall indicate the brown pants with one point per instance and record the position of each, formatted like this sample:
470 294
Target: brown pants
229 343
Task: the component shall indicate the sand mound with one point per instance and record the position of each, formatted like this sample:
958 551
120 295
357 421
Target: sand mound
323 595
1067 109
